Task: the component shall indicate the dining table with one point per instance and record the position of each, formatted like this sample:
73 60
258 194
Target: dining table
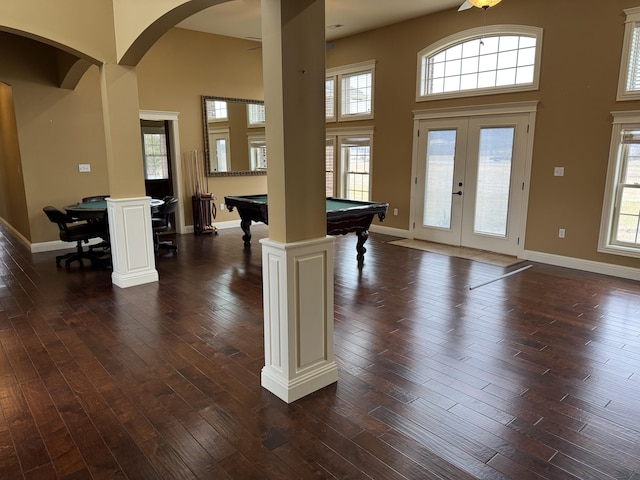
97 210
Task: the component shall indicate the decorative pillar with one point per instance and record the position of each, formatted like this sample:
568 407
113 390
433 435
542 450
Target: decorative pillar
132 252
128 208
298 317
298 256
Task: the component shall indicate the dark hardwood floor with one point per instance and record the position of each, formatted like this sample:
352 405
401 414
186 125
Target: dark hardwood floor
533 376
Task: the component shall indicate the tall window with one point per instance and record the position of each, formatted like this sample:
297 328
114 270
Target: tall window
156 162
492 59
355 153
629 78
348 164
330 99
219 155
620 227
257 152
354 95
330 161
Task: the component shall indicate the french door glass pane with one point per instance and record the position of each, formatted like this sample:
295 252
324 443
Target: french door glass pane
494 180
441 150
221 154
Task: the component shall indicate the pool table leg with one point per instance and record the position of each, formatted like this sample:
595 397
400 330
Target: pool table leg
246 228
362 237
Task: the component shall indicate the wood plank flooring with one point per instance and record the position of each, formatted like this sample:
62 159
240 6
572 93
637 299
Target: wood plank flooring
533 376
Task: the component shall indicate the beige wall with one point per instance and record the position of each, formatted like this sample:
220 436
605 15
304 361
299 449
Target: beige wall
181 67
11 182
580 61
56 130
576 96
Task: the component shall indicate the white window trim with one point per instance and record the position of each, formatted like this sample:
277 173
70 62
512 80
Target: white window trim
337 73
256 124
632 17
334 117
338 167
478 32
621 121
255 137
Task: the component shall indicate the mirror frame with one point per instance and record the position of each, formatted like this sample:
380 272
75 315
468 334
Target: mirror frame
205 126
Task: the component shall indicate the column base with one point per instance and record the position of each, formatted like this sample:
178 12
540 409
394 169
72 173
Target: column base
298 317
131 237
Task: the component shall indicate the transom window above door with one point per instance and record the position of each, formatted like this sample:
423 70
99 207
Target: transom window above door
480 61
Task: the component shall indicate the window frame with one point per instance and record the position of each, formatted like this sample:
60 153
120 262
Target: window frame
256 119
216 134
473 34
162 157
338 73
337 135
621 121
632 22
330 101
255 141
215 119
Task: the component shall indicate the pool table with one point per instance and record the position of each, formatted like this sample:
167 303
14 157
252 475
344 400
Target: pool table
343 216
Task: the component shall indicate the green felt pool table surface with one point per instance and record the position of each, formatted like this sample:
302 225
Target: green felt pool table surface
343 216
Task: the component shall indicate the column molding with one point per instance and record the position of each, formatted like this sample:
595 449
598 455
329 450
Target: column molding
131 236
298 317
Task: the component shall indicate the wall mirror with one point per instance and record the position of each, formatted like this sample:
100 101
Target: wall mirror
234 136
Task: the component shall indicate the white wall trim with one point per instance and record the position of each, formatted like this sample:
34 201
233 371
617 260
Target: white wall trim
584 265
176 159
55 245
20 237
396 232
227 224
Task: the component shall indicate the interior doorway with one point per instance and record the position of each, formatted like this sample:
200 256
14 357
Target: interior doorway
156 155
471 178
169 120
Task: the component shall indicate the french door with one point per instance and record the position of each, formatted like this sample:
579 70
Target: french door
470 181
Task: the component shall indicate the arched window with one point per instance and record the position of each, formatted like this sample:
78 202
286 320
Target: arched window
480 61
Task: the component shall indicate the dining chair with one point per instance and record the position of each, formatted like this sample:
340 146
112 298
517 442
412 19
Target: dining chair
73 231
161 222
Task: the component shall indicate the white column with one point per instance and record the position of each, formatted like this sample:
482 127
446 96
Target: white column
298 256
298 317
131 237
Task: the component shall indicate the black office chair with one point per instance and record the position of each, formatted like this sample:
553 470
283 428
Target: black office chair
73 231
161 222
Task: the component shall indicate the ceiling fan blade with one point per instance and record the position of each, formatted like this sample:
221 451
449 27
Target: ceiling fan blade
465 6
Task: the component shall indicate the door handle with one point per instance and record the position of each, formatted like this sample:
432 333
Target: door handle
459 192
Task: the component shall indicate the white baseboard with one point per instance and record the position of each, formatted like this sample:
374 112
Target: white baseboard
20 237
396 232
58 245
580 264
227 224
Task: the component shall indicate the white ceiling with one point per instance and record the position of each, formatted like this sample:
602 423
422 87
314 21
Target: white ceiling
241 18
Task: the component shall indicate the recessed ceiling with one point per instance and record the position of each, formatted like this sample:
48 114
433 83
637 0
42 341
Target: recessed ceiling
241 18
